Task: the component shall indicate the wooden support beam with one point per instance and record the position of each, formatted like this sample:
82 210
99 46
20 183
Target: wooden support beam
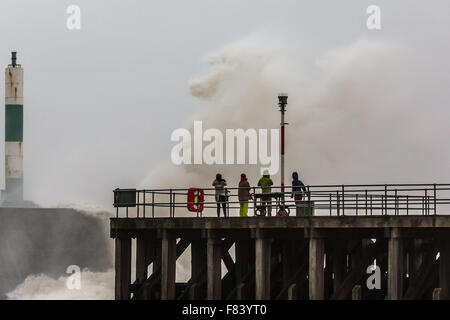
157 261
425 276
358 272
240 294
214 267
328 272
289 262
298 279
316 271
145 254
262 266
415 257
182 245
198 257
243 255
168 265
339 261
227 260
444 269
123 268
144 248
144 289
395 266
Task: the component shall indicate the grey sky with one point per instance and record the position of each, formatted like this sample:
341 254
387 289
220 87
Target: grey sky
100 103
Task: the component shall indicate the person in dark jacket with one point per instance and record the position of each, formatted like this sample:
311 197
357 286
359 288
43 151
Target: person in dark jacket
221 196
298 188
244 195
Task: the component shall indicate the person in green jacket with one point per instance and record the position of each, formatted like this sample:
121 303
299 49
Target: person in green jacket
265 183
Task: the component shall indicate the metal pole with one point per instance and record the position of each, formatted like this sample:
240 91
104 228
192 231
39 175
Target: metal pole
282 102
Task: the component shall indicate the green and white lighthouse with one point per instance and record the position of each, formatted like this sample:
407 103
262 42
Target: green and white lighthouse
13 132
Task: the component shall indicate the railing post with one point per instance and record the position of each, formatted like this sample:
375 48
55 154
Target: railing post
356 204
385 199
153 204
434 198
144 204
331 205
371 208
137 203
174 206
343 201
366 200
170 203
309 200
407 204
337 203
255 201
396 203
423 204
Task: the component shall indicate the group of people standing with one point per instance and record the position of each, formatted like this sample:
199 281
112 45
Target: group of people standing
244 194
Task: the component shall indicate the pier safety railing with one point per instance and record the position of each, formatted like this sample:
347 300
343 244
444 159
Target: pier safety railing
331 200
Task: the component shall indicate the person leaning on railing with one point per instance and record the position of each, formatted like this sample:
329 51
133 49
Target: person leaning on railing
265 183
244 195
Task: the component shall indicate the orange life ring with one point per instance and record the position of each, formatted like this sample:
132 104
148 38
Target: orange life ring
195 199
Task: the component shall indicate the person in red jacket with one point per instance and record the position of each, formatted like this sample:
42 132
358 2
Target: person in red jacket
244 195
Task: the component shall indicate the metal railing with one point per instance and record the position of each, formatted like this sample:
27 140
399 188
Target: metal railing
331 200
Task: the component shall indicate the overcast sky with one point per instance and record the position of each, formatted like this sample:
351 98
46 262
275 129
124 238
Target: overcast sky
101 102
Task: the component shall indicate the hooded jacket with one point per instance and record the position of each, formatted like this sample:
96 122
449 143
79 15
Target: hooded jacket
244 190
265 183
297 184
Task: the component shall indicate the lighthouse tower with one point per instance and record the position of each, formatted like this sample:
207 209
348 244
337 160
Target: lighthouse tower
13 132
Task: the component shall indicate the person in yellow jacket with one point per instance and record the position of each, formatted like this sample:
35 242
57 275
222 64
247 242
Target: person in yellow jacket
265 183
244 195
